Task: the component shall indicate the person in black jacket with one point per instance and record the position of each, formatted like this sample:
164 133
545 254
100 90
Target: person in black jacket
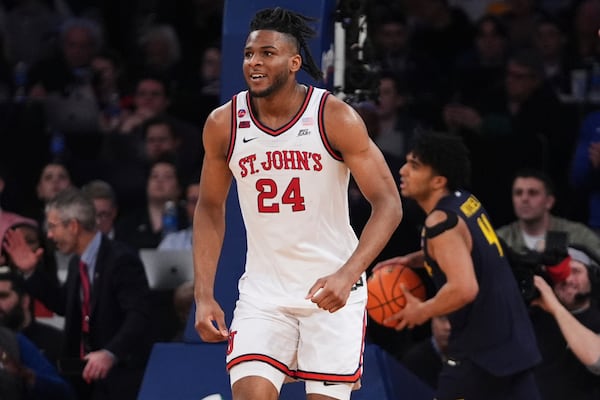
104 300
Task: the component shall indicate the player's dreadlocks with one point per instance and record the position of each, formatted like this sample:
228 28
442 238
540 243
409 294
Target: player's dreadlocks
294 24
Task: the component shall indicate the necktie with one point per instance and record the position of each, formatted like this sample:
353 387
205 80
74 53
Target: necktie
85 306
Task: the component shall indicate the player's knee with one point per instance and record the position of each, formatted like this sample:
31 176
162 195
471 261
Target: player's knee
255 377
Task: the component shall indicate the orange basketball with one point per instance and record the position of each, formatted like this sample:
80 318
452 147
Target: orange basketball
385 294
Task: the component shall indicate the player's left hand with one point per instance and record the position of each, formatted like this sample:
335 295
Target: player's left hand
330 292
411 315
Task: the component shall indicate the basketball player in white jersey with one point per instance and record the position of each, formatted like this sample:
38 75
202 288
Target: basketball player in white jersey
290 148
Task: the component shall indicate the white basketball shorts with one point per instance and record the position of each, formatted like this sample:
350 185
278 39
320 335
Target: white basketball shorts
297 343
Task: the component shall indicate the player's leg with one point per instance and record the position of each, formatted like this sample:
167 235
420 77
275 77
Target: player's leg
314 396
330 351
337 392
262 350
252 381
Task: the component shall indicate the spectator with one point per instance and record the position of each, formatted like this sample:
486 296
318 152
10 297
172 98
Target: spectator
143 227
160 139
54 178
182 239
80 40
525 120
108 80
389 34
107 339
562 375
105 203
584 342
26 374
16 307
425 359
533 200
550 41
585 172
480 72
151 99
160 51
64 81
396 124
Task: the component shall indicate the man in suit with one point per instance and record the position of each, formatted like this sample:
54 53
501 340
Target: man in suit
104 300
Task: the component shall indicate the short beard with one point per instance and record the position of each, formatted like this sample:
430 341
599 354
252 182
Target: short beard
14 319
279 82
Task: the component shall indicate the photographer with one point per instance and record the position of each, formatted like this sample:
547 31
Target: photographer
567 333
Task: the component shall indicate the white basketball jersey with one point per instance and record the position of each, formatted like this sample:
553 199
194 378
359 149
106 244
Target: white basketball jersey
293 193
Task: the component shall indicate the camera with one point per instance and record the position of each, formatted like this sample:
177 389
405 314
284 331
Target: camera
547 263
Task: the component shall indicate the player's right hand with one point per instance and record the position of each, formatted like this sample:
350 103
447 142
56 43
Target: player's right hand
210 321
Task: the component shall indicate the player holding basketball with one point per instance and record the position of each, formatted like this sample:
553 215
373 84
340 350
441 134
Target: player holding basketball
290 147
492 348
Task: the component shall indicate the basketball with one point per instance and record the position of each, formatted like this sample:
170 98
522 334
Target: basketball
385 294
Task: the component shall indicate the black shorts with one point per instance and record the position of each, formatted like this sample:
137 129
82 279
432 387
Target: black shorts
465 380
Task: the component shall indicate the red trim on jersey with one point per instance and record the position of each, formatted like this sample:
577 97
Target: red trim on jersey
316 376
233 128
278 131
313 376
261 357
321 116
307 375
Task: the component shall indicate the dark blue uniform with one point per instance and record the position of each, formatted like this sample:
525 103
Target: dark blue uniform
492 347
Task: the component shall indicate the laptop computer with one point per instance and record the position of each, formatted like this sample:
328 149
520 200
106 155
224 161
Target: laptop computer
167 269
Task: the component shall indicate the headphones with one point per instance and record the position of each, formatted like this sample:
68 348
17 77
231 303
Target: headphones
593 270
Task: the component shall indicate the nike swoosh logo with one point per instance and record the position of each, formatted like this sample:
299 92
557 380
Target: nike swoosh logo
325 383
246 140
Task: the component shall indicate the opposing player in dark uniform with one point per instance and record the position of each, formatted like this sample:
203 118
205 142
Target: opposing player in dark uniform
492 347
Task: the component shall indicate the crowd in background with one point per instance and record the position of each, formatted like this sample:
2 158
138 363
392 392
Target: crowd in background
111 97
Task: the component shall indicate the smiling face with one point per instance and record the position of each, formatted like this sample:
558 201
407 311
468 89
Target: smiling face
62 233
577 283
271 60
